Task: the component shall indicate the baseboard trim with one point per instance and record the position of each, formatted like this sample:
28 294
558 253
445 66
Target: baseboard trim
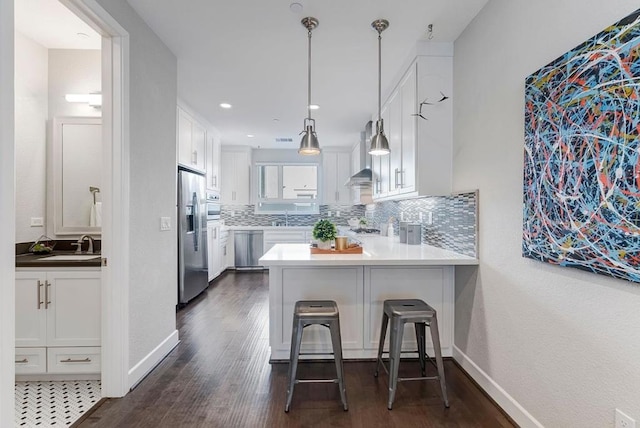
508 404
151 360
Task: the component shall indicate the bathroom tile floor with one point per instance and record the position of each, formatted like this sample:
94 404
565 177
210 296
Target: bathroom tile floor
52 404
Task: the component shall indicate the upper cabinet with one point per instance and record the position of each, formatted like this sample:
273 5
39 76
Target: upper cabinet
235 173
213 162
336 171
419 125
192 141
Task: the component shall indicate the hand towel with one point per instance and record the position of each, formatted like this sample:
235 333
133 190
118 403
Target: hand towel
96 215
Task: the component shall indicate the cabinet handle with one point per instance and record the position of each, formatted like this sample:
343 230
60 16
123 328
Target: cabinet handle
194 157
22 361
233 195
396 178
47 302
215 181
69 360
402 175
39 294
337 196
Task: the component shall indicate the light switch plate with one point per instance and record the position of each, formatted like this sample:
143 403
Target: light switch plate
623 420
165 223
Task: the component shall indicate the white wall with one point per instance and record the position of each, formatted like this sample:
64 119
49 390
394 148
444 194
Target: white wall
31 112
73 71
563 343
153 263
7 215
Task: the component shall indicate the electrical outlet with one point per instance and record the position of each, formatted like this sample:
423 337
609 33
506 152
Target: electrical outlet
402 215
233 213
420 217
165 223
337 213
624 421
37 221
328 213
429 218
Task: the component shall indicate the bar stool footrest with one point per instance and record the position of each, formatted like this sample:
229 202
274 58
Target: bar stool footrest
317 381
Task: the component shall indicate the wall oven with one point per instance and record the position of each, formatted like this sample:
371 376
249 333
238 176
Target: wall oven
213 206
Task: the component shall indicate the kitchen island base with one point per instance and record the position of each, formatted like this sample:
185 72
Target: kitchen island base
359 291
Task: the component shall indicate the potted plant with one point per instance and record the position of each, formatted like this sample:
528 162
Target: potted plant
325 232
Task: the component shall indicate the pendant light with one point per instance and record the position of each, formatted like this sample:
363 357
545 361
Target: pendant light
379 142
309 143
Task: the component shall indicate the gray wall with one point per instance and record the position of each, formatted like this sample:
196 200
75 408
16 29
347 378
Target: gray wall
153 262
563 343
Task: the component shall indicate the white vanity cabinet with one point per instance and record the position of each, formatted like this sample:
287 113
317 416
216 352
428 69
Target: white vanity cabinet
58 321
336 171
235 169
421 148
192 141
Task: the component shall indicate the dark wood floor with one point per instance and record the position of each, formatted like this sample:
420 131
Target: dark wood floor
219 376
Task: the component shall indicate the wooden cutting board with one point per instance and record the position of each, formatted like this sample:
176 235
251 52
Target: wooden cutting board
352 249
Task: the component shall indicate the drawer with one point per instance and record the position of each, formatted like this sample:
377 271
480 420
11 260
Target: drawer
83 359
285 236
31 360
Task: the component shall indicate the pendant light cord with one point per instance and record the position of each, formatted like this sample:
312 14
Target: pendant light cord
309 89
379 75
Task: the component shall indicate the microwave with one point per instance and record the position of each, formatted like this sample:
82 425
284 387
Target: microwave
213 206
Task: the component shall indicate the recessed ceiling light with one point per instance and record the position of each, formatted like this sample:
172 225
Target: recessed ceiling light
314 106
295 7
250 135
278 120
225 105
83 35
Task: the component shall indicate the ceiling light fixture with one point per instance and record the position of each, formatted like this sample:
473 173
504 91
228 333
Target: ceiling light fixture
225 105
379 142
94 99
309 143
250 135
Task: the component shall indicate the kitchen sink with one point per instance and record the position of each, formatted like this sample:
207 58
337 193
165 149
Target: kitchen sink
71 257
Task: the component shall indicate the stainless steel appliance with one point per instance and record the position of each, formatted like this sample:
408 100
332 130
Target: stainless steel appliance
213 206
403 231
248 248
192 235
414 234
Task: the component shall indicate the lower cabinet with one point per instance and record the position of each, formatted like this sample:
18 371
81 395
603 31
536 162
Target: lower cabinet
213 249
58 321
273 237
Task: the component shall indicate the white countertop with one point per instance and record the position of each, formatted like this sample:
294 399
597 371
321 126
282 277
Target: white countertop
377 250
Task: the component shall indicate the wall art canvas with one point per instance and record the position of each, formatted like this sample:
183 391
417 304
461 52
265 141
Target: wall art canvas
582 156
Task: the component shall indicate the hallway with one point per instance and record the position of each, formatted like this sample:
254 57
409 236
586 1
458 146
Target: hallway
219 376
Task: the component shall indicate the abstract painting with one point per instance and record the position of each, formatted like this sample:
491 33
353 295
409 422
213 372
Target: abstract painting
582 156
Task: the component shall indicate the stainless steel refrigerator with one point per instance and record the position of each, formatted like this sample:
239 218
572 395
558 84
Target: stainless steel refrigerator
192 235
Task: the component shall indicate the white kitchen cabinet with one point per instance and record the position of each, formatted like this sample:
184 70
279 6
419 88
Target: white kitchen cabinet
56 309
223 249
336 171
431 284
421 150
273 237
344 285
235 175
213 249
192 141
213 162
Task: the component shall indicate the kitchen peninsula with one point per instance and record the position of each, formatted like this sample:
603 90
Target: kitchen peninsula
359 283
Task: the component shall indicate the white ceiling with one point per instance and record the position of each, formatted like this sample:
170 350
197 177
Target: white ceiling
52 25
253 55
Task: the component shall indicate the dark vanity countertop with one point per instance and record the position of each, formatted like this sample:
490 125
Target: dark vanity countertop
29 260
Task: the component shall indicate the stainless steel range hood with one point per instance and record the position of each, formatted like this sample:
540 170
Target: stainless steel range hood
364 177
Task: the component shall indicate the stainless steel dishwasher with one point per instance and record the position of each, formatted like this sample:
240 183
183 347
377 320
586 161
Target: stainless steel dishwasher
248 248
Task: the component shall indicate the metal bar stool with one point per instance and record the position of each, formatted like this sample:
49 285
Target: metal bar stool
306 313
402 311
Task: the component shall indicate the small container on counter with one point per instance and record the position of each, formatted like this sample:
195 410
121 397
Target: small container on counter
403 231
342 243
414 234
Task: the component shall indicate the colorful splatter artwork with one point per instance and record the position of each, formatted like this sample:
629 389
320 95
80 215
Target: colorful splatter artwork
582 156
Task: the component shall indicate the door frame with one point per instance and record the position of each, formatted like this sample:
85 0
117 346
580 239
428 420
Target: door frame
115 250
115 194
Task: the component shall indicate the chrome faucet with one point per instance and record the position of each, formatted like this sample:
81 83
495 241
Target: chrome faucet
81 240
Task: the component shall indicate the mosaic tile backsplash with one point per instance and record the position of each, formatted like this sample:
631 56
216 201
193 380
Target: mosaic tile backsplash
454 223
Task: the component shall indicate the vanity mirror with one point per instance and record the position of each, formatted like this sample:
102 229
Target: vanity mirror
74 176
